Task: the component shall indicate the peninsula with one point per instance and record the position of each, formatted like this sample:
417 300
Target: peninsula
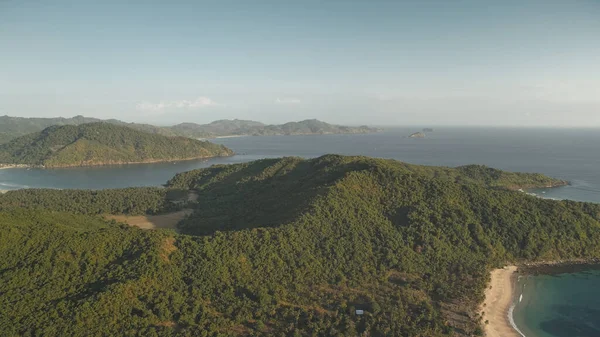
101 144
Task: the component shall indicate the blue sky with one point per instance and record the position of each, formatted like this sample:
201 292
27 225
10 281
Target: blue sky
526 63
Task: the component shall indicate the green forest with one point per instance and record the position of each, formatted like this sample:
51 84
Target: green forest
132 201
13 127
281 247
102 144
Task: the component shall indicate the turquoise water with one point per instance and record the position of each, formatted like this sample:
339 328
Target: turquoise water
563 305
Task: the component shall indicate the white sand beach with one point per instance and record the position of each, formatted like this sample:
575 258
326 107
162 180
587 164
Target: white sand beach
498 300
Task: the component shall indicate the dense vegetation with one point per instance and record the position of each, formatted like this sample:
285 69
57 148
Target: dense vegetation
13 127
101 144
133 201
289 247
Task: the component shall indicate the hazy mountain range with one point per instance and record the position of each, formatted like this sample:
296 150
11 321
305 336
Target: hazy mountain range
12 127
101 143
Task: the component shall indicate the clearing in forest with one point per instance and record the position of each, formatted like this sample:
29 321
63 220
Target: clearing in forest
168 220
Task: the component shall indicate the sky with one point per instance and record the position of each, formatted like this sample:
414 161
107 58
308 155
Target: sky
493 63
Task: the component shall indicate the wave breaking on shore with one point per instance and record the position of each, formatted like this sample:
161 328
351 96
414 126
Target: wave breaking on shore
499 304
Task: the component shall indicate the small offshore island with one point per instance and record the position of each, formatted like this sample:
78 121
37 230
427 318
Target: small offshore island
282 247
417 135
101 143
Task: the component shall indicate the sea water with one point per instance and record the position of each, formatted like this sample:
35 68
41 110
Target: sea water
559 305
570 154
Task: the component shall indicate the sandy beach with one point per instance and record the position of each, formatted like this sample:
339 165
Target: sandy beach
498 300
9 166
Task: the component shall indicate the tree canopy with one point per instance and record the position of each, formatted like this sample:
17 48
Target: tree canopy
286 247
102 144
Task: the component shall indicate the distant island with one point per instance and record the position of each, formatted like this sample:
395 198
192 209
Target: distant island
238 127
13 127
102 144
427 130
417 135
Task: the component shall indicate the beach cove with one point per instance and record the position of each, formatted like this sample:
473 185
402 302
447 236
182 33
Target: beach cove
498 305
543 300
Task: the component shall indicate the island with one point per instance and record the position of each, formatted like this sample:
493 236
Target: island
101 143
13 127
417 135
236 127
280 247
427 130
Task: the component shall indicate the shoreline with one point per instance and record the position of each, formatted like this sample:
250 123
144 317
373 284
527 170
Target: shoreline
555 267
158 161
288 134
9 166
498 304
501 293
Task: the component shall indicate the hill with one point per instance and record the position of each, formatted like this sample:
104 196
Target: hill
238 127
218 128
283 247
102 144
13 127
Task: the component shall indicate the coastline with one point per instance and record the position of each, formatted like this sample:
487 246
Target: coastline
498 304
289 134
110 163
9 166
555 267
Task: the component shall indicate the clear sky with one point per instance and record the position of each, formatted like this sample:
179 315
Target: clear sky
480 62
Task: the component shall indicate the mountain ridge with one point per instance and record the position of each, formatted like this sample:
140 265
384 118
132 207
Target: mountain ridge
13 127
101 143
238 127
282 247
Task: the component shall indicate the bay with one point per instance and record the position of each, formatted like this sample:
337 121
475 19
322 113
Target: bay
562 305
571 154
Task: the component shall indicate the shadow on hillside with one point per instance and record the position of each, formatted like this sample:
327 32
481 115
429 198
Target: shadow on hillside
265 193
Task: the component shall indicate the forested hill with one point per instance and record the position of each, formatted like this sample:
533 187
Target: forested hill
252 128
102 144
13 127
284 247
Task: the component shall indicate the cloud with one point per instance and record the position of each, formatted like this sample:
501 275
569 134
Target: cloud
288 100
199 102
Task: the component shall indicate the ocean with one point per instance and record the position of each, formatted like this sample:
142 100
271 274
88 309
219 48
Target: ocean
566 305
571 154
559 305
